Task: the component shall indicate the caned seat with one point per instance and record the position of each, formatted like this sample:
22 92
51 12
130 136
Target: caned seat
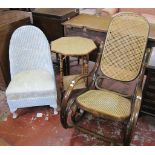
107 104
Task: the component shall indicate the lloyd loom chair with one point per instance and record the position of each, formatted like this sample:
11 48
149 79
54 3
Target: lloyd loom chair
123 59
32 76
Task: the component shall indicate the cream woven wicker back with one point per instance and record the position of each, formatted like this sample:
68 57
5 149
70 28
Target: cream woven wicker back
125 46
29 50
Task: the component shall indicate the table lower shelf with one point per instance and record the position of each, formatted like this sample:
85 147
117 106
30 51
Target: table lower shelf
68 79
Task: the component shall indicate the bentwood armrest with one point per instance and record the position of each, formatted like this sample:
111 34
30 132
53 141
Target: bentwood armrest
71 87
66 105
76 80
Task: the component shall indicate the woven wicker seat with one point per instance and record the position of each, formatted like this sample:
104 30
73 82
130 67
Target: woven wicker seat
105 103
122 59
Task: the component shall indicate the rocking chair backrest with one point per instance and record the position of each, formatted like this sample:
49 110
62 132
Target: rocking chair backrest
124 47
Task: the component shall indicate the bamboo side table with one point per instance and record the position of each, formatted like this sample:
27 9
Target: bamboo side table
73 46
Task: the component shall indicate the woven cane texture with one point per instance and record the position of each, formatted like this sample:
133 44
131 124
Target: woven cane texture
29 50
67 81
105 103
31 102
73 46
125 47
32 75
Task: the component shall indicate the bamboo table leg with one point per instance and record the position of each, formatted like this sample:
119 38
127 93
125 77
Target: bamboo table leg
85 60
61 74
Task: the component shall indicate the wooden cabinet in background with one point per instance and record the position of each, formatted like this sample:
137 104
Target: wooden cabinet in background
148 97
50 20
9 21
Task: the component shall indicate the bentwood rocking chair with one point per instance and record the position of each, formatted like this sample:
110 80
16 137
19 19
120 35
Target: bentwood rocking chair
123 59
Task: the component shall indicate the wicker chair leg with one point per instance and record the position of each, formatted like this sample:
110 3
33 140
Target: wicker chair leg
14 115
55 111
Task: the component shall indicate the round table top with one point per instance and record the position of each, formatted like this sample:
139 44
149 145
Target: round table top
73 46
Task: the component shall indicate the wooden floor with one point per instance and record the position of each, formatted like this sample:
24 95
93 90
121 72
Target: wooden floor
30 130
47 130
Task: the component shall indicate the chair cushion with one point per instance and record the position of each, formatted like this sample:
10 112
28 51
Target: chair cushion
29 84
105 104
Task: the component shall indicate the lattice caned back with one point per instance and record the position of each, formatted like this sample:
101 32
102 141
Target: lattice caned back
125 46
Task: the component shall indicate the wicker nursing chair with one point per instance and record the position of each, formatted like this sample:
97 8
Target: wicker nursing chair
32 76
122 59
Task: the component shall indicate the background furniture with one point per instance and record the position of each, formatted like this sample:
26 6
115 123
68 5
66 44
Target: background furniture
32 76
72 46
10 20
149 14
88 26
95 28
122 60
148 100
49 20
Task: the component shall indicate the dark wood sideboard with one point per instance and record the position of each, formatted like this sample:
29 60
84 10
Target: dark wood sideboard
50 20
9 21
148 97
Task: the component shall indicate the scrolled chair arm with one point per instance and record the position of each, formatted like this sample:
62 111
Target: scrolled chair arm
65 101
66 104
71 87
76 80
